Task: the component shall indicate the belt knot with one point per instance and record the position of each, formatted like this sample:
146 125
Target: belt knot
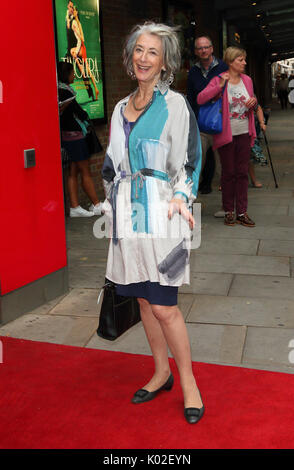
142 178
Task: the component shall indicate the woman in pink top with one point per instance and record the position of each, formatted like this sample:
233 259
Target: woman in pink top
238 133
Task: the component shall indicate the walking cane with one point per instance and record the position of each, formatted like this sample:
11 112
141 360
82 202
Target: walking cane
270 159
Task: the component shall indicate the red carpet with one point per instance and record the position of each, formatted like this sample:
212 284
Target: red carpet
63 397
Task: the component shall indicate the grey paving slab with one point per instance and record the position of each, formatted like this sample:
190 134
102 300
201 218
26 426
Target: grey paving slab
88 240
255 209
240 264
269 345
270 200
46 308
86 276
79 302
279 193
291 210
255 196
216 245
292 267
269 367
274 220
247 311
68 330
92 243
261 220
210 230
272 287
216 343
208 283
185 302
133 341
276 248
209 343
80 224
286 180
87 257
87 262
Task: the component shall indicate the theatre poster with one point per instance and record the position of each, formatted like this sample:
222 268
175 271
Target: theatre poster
78 40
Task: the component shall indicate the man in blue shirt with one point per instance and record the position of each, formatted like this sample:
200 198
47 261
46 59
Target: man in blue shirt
207 67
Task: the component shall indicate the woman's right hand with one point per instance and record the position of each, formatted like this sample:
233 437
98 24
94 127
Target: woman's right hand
223 79
178 205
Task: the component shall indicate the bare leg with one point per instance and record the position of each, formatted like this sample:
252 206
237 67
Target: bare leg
72 184
81 69
176 335
165 326
255 183
92 78
158 346
80 66
87 181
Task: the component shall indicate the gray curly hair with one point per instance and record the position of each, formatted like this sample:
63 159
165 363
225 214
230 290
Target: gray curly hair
170 46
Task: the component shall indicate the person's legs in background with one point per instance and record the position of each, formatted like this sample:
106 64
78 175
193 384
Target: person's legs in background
254 155
285 98
242 157
254 182
228 180
208 172
280 99
207 165
89 187
72 184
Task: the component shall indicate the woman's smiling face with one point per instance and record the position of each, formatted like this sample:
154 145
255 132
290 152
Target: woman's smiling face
148 58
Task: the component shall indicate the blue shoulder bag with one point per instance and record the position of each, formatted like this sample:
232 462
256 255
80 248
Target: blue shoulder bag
210 117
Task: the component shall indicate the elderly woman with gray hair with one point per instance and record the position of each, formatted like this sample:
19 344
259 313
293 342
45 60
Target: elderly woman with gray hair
150 173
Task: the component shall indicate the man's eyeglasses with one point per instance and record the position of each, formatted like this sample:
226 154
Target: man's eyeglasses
204 48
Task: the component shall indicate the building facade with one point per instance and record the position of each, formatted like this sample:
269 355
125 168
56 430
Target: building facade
33 260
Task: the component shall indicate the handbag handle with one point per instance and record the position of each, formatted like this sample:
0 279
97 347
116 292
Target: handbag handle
223 89
108 283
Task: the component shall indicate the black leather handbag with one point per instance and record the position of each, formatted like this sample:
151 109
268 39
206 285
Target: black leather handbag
118 313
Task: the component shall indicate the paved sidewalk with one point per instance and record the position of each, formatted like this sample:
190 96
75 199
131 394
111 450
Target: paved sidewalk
239 307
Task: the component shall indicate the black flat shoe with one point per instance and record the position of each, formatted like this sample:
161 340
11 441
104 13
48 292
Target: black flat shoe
193 415
143 395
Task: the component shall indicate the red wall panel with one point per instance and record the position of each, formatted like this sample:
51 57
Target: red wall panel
32 226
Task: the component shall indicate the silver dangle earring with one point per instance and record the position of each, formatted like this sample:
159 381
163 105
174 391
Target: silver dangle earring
170 79
163 85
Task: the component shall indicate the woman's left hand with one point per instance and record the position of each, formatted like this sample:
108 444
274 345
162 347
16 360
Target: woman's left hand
251 102
178 205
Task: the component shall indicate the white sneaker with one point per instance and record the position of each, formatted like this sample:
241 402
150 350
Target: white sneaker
80 212
98 209
219 214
